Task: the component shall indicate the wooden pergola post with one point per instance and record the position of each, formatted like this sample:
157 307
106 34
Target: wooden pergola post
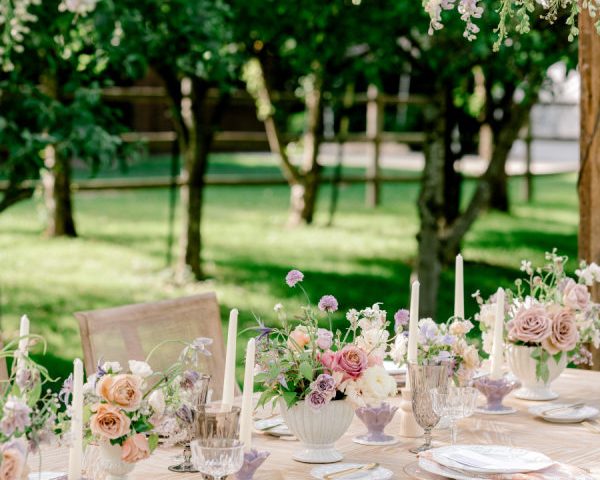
589 173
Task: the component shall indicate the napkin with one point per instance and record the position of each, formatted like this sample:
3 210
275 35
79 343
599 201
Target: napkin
558 471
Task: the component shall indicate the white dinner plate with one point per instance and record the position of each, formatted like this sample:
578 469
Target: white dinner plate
490 459
268 423
564 416
378 473
426 469
393 369
47 476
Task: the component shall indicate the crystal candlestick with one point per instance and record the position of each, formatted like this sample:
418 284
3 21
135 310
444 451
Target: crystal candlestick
495 391
252 461
376 419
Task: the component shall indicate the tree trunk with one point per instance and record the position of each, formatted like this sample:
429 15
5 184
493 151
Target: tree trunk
56 178
303 198
499 191
589 174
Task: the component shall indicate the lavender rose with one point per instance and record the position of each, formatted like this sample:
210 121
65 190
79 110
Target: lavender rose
324 339
352 361
530 325
575 296
325 384
317 400
293 277
564 335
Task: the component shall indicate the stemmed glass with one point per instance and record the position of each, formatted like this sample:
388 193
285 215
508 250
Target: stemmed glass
424 378
196 393
454 403
218 457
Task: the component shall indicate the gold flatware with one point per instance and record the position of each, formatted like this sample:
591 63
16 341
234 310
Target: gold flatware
575 406
343 473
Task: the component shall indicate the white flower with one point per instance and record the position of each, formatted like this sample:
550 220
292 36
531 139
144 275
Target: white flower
112 367
141 369
460 328
352 317
373 339
487 315
399 349
376 385
278 307
156 400
526 267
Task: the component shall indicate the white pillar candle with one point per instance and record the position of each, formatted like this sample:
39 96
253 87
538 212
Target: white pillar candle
498 345
229 379
247 406
459 295
76 449
413 328
24 332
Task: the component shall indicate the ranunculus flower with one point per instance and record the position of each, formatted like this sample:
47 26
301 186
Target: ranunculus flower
530 325
135 448
327 359
141 369
123 390
299 337
324 338
109 422
13 465
564 335
575 296
325 384
352 361
317 400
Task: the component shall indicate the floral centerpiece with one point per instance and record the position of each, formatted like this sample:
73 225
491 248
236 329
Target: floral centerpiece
436 343
549 314
29 412
312 369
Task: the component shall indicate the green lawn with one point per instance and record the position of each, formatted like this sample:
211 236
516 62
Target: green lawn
364 258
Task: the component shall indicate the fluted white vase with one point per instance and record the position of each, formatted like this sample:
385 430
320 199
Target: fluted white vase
111 464
523 366
318 430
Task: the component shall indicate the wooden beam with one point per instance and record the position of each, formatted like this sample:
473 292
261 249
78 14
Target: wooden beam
589 174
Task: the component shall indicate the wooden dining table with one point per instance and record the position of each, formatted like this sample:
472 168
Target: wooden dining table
567 443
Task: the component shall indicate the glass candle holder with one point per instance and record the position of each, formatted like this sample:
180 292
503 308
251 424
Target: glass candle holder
376 419
494 392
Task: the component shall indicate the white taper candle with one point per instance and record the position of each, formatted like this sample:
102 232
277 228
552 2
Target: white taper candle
229 378
413 327
459 294
24 332
247 405
76 449
498 345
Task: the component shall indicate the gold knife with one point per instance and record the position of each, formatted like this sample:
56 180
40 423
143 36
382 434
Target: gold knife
343 473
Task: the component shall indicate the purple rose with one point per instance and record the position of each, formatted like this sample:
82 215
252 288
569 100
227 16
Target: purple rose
324 339
352 361
401 318
316 400
530 325
293 277
328 303
325 384
565 335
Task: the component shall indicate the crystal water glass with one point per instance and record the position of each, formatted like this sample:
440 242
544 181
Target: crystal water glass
424 379
454 403
218 420
218 457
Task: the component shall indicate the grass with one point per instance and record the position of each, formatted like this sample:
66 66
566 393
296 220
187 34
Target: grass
365 257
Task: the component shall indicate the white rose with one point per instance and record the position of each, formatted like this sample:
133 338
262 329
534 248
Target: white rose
112 367
141 369
157 401
376 385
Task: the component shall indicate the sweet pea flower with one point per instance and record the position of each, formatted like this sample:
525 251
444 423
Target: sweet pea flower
401 318
324 338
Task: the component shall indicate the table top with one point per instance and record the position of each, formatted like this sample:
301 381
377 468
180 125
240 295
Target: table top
567 443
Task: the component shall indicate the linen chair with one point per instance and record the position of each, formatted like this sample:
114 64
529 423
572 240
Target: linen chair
130 332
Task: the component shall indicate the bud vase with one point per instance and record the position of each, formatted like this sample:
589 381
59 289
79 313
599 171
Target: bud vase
111 464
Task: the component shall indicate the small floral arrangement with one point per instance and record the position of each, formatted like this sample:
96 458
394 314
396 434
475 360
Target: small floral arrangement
129 408
317 365
436 343
29 412
549 311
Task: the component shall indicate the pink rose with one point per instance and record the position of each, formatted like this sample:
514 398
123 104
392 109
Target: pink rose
299 338
576 296
530 325
324 338
352 361
109 422
135 448
123 390
565 335
327 359
13 465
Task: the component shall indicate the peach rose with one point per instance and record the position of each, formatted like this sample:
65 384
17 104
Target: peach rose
530 325
13 465
299 338
576 296
109 422
564 335
135 448
124 390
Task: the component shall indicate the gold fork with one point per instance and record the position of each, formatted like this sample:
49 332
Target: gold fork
343 473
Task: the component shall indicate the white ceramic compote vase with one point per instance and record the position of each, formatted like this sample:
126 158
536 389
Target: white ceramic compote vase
523 366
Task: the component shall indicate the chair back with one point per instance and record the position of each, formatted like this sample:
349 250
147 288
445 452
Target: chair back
130 332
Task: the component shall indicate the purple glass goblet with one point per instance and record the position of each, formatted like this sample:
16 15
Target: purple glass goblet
376 419
494 391
252 460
